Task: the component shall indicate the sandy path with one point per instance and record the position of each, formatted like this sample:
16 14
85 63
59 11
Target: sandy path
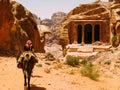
11 78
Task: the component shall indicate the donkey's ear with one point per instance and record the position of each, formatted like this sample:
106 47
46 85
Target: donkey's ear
32 57
23 58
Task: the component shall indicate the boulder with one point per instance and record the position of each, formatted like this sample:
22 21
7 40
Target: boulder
17 25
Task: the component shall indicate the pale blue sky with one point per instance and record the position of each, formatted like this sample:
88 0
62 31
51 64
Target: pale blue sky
45 8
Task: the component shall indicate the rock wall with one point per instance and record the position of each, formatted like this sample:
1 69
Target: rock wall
6 22
115 23
17 25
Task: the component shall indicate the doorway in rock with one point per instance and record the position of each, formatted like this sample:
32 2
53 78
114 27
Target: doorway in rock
88 34
97 32
79 32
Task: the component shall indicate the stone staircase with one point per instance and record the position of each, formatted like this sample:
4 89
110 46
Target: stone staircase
84 51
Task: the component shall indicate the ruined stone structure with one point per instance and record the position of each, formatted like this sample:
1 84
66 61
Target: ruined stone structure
89 23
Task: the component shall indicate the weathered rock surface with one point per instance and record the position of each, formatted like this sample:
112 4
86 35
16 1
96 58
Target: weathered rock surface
53 23
17 25
47 22
108 11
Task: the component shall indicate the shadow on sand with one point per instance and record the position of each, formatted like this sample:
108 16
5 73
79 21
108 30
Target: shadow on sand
33 76
33 87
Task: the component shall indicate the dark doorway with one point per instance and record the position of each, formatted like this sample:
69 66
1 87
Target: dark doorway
79 34
88 34
97 32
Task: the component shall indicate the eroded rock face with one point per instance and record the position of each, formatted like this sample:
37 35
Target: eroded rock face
17 25
58 17
81 20
47 22
101 17
6 22
54 24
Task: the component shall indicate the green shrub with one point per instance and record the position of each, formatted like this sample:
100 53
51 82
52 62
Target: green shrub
107 62
88 71
83 62
47 63
94 75
50 56
112 51
39 65
72 60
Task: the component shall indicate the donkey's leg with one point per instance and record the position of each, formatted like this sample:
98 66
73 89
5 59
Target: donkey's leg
29 82
25 83
29 77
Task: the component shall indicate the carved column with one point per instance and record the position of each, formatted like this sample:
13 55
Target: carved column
82 34
75 35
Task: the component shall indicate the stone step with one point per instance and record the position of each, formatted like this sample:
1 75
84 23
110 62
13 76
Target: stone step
101 48
87 48
81 55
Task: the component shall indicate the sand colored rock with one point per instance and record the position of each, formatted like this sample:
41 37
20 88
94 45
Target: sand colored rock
89 23
17 25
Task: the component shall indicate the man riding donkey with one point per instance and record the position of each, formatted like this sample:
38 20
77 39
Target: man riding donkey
26 62
28 50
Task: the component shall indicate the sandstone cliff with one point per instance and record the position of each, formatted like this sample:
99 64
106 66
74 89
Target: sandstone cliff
54 24
17 25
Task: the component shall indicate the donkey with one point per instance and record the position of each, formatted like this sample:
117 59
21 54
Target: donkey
26 62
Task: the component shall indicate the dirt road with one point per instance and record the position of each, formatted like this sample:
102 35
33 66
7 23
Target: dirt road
11 78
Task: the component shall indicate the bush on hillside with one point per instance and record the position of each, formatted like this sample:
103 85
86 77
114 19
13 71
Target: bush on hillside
72 60
88 71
